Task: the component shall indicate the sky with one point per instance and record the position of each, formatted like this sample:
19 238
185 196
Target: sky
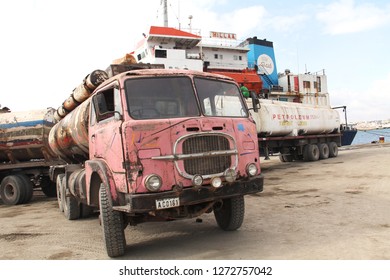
48 47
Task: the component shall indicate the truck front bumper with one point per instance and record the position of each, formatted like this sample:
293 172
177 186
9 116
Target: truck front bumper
143 203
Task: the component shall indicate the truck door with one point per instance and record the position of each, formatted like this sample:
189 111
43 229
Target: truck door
105 133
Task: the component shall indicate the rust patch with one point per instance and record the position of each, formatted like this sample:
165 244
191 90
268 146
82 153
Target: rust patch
144 127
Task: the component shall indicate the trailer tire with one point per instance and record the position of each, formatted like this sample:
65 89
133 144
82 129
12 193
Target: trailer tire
112 224
59 187
286 158
48 187
311 152
324 150
230 215
12 191
28 189
333 149
70 204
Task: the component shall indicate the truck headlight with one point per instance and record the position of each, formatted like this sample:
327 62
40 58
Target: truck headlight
230 175
153 182
251 169
216 182
197 180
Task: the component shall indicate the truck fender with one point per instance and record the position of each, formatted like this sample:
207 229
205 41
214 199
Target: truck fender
97 172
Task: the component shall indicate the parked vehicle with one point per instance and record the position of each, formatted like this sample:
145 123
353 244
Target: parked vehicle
25 158
157 145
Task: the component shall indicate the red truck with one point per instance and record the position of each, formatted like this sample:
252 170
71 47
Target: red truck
157 145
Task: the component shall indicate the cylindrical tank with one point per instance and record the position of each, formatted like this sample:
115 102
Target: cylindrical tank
277 118
24 135
69 137
81 93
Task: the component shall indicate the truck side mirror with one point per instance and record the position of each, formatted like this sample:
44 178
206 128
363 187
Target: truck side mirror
255 101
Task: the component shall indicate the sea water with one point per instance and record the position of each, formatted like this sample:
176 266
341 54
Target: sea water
370 136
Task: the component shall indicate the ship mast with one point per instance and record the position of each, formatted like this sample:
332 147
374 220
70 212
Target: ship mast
165 12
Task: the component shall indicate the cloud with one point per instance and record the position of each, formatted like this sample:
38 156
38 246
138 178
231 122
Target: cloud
366 104
345 16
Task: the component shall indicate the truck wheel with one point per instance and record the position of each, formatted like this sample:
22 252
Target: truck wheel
85 210
333 149
70 204
311 152
12 190
48 187
324 150
59 188
286 158
112 224
27 189
230 215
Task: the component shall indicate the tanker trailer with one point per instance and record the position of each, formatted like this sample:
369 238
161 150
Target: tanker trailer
297 131
25 157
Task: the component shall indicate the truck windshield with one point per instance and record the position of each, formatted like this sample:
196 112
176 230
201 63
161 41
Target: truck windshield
161 97
219 98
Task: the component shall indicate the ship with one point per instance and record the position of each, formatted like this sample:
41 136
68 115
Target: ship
251 63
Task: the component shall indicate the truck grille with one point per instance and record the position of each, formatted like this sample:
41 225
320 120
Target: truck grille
211 164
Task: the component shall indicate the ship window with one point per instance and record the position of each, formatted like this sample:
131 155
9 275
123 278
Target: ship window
216 56
161 53
306 84
139 57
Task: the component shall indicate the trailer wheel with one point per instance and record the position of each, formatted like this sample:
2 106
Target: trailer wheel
59 188
230 215
70 204
324 150
333 149
12 190
286 158
48 187
311 152
27 189
112 223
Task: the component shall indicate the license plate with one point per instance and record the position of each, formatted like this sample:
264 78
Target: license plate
167 203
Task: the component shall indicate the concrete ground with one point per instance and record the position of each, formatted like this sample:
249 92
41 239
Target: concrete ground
330 209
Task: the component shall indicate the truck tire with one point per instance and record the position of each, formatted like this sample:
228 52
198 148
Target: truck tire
311 152
85 210
12 190
28 188
333 149
286 158
230 215
70 204
112 225
59 188
324 150
48 187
